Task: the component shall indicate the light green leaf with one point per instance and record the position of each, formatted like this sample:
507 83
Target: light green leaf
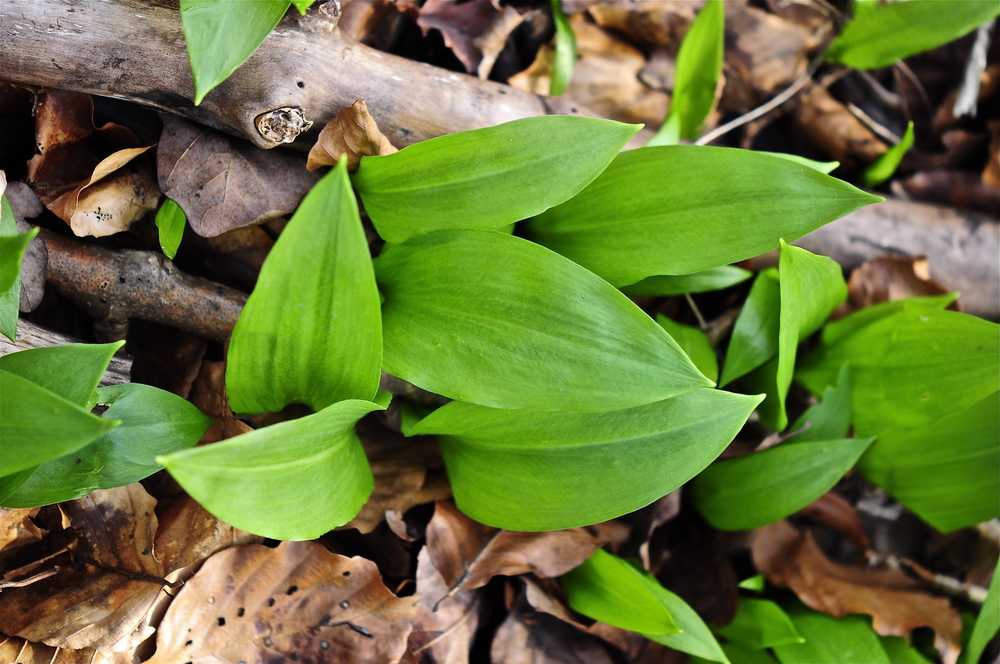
901 652
37 425
565 50
531 470
835 330
170 224
221 36
712 279
763 487
760 624
755 335
12 248
310 332
987 623
832 641
738 655
886 165
496 320
294 480
608 589
699 65
821 166
486 178
302 5
695 343
831 417
684 208
695 638
880 33
753 583
153 422
72 371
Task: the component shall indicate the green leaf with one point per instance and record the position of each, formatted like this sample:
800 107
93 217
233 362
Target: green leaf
987 623
294 480
695 343
763 487
831 417
901 652
496 320
170 223
699 65
880 33
12 248
486 178
716 278
153 422
739 655
302 5
832 641
760 624
72 371
533 470
886 165
684 208
221 36
565 50
753 583
839 329
821 166
37 425
310 332
610 590
755 335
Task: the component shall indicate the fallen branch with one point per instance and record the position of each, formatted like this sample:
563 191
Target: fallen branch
134 50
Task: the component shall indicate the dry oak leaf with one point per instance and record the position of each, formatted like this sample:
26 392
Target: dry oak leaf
297 601
475 31
891 278
352 132
792 559
223 183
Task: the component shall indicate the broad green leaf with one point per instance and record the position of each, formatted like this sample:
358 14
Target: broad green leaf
310 332
170 224
72 371
493 319
486 178
880 33
832 641
949 485
37 425
760 624
154 422
763 487
12 248
740 655
901 652
712 279
565 50
294 480
886 165
987 623
695 343
699 65
695 638
831 417
221 35
835 330
608 589
821 166
683 208
754 340
532 470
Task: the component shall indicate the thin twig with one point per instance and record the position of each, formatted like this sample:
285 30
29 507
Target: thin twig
702 325
870 122
946 584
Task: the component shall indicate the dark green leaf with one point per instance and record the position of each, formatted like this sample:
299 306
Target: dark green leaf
531 470
221 36
755 335
832 641
831 417
715 278
72 371
310 332
153 422
880 33
493 319
987 624
486 178
683 208
170 224
294 480
695 343
760 624
763 487
886 165
565 50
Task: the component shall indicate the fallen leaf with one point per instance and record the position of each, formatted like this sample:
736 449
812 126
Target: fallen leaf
962 189
223 183
530 637
656 515
789 558
649 24
352 132
255 603
891 278
836 513
991 172
19 651
445 628
475 31
208 392
17 528
833 129
188 534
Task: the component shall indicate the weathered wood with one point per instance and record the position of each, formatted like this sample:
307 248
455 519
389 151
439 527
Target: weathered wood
30 336
135 50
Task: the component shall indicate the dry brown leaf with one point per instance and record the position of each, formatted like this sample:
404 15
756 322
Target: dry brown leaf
475 31
991 172
446 627
208 392
352 132
223 183
17 528
836 513
605 79
832 128
891 278
255 603
19 651
962 189
530 637
792 559
188 534
651 24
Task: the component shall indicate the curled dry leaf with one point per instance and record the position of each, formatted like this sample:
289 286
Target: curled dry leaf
891 278
447 623
255 603
792 559
17 528
223 183
475 31
352 132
